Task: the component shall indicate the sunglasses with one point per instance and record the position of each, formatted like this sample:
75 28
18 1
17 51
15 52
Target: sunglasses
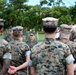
31 35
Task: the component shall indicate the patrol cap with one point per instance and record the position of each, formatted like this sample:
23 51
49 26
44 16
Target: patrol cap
50 21
32 34
2 22
65 28
13 28
17 29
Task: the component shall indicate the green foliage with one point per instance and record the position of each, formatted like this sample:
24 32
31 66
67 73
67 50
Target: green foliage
15 2
2 2
17 12
43 2
73 13
65 19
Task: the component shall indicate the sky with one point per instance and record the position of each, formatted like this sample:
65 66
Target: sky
67 2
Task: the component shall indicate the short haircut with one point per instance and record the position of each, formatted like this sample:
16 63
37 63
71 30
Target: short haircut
49 28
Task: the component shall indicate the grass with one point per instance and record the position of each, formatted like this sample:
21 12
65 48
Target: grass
40 37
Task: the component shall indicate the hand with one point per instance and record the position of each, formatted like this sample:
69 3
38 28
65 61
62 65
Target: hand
12 70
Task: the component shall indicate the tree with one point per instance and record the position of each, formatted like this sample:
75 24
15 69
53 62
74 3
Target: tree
52 3
42 2
59 3
2 6
2 3
73 13
17 12
65 19
15 2
33 19
14 13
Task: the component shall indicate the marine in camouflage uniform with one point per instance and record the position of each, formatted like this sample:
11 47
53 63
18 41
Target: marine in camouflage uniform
50 56
65 38
19 52
31 42
2 43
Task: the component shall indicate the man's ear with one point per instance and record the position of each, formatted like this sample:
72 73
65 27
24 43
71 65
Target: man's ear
56 31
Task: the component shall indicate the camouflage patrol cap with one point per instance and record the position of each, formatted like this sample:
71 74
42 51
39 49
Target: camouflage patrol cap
48 21
65 28
2 22
17 29
32 33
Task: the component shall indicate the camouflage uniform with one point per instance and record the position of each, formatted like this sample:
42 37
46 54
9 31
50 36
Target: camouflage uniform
31 43
9 38
73 37
2 45
50 56
71 45
18 50
65 29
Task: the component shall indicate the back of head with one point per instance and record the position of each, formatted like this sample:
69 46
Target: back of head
17 31
49 24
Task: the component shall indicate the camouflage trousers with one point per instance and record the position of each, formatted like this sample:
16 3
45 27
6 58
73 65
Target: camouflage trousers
19 73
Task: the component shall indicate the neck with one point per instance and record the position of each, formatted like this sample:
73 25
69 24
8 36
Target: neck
18 38
32 39
50 35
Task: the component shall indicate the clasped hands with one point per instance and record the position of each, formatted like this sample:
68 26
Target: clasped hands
12 70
